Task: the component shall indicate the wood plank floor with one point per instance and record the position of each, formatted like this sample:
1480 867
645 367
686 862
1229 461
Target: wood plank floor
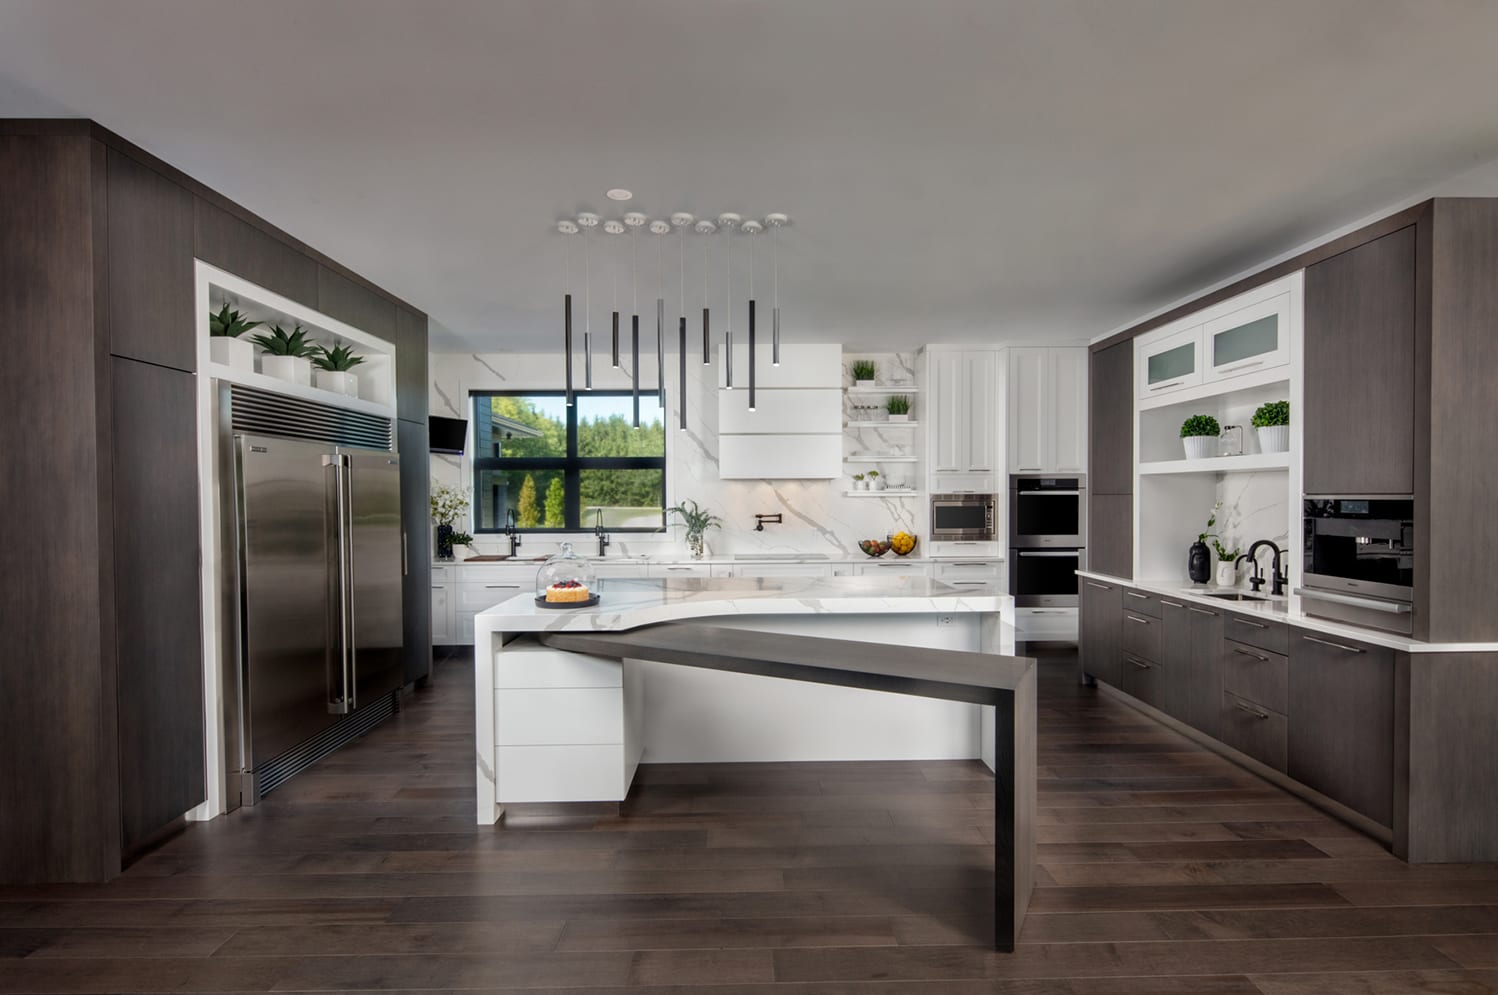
1164 869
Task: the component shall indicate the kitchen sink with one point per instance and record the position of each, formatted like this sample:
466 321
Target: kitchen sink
1236 596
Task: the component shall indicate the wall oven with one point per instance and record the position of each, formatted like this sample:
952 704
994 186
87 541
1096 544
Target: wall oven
962 516
1047 512
1045 578
1360 561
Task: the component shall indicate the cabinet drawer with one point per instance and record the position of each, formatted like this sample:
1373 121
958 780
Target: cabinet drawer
528 666
891 568
1254 730
496 573
477 597
680 570
1141 602
441 574
1045 624
1141 635
560 773
1256 675
1143 679
1266 635
558 716
970 570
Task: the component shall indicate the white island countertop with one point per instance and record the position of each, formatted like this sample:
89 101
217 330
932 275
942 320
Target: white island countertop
628 604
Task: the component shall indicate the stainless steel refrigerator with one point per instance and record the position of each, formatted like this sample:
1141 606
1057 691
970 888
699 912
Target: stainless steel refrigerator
317 537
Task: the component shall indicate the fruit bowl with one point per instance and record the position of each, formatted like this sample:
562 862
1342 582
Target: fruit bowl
874 547
903 543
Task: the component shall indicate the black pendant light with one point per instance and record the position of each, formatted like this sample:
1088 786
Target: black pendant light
588 222
728 223
776 222
705 227
681 220
567 228
615 228
751 228
660 228
634 220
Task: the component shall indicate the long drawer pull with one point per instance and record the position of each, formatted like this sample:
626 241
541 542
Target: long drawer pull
1171 604
1340 646
979 563
1245 621
1100 587
1256 656
1201 611
1136 594
1250 710
1372 604
1136 618
501 587
1141 664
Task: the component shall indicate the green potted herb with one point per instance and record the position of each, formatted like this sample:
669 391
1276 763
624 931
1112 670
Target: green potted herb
1200 434
864 372
225 346
697 521
860 483
898 406
335 370
287 356
1272 422
462 539
876 482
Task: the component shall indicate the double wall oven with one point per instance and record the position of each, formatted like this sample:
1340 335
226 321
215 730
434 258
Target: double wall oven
1360 561
1047 539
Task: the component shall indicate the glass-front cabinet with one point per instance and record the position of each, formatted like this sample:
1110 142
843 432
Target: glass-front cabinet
1249 339
1170 363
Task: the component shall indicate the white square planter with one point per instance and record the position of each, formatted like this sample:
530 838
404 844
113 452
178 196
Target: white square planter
238 354
339 382
899 418
292 369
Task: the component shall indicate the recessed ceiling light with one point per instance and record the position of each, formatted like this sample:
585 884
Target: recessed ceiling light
619 193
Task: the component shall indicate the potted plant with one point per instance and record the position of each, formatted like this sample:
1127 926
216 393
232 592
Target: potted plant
462 539
1227 563
224 343
287 356
876 482
1200 434
859 483
864 372
448 505
898 406
1272 422
335 370
697 520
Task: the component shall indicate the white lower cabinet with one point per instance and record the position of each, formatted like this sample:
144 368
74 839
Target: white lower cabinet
892 568
776 570
442 614
679 570
1045 625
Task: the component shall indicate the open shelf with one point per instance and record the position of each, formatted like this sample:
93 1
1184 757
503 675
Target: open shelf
278 386
882 390
902 493
1218 464
881 424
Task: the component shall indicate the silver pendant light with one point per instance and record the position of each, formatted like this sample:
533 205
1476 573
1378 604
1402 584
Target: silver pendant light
751 228
567 228
681 220
776 222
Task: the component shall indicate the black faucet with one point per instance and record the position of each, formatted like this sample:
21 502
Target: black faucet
603 537
760 520
1277 576
511 532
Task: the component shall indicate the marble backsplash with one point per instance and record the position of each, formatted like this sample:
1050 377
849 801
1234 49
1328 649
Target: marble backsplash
819 516
1255 506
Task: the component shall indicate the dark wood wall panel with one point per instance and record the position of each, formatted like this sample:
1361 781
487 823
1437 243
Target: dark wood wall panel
53 724
416 586
1111 415
158 623
412 395
342 298
1451 772
240 248
1110 534
150 266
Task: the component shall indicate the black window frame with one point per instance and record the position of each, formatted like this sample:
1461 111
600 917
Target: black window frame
571 465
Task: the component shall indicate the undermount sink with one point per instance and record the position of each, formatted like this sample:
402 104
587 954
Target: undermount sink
1236 596
779 556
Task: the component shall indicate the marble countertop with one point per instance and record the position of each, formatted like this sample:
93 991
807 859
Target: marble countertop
1287 610
633 603
748 558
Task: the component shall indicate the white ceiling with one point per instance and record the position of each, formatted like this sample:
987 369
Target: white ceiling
955 169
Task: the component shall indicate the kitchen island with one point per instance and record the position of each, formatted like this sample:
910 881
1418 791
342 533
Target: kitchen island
754 670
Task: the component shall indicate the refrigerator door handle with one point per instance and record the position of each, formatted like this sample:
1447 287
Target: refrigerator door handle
340 648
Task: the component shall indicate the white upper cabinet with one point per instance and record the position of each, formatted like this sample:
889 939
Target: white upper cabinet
965 399
1047 410
796 429
1251 338
1170 363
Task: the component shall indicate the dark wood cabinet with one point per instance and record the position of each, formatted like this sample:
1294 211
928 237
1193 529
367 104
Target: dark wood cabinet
1341 712
236 246
149 256
416 532
1204 671
1175 658
1359 422
1110 534
1142 679
1101 624
351 302
158 626
1254 730
412 395
1111 417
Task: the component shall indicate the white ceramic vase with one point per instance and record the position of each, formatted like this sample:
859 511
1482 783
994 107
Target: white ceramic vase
1227 573
292 369
1274 439
878 484
339 382
1200 446
238 354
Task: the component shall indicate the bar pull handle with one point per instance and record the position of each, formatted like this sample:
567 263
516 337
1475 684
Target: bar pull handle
1254 656
1171 604
1100 587
1136 594
1141 664
1245 621
1136 618
1200 611
1327 642
1257 713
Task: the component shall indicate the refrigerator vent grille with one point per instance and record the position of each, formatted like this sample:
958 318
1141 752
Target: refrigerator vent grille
278 771
263 413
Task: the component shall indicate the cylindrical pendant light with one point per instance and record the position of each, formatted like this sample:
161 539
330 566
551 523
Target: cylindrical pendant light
776 222
588 222
751 228
705 227
729 223
660 228
567 228
634 220
615 228
680 220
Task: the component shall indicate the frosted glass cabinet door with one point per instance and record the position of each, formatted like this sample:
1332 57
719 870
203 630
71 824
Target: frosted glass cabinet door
1250 339
1171 363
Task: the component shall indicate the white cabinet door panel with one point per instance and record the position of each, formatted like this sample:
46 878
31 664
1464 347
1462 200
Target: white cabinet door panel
477 597
527 666
1028 422
1252 338
1067 411
1169 363
801 365
780 457
949 403
560 773
681 570
558 716
780 412
983 404
442 615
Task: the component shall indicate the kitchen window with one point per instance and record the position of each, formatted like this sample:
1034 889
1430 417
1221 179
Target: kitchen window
558 467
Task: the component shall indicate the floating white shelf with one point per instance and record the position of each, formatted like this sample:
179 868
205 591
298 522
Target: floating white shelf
903 493
882 390
1218 464
278 386
881 424
880 459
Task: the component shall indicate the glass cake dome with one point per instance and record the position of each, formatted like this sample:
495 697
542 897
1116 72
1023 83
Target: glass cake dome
567 570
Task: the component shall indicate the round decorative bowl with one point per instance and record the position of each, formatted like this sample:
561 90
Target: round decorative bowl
873 547
895 546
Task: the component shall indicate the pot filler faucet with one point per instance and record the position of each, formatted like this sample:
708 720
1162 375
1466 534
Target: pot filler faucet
1277 575
511 532
603 537
760 520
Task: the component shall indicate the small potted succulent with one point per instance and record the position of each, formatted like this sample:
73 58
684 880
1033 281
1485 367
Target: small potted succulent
1200 434
224 343
864 372
1272 422
876 482
898 406
335 370
287 356
697 520
860 482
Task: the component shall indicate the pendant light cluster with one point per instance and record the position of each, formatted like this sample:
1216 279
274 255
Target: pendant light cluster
727 223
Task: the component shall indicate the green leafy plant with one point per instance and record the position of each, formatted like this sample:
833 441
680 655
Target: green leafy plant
279 343
448 504
696 518
339 359
1272 414
873 474
898 404
858 476
462 539
864 369
1223 553
227 324
1199 425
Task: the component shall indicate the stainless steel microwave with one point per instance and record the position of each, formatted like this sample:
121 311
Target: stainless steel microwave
962 516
